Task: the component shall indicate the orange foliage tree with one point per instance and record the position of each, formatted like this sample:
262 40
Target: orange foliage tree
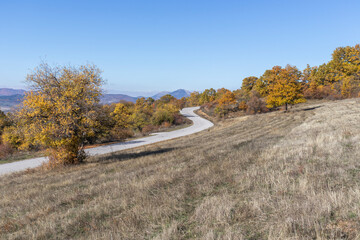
283 86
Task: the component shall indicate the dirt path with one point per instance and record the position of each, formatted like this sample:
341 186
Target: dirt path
199 124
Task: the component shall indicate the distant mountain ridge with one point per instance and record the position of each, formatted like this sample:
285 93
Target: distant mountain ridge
11 91
11 97
114 98
180 93
159 95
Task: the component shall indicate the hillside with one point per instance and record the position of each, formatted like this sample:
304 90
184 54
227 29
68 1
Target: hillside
293 175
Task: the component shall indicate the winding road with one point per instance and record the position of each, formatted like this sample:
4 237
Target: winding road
199 124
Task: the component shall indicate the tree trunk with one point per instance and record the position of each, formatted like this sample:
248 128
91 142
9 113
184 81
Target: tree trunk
286 106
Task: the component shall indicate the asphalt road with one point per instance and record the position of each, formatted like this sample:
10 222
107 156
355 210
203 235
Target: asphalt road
199 124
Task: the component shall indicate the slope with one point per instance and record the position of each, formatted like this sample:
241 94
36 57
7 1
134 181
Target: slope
291 175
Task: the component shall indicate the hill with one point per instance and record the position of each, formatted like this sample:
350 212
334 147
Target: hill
11 92
159 95
11 97
115 98
9 101
292 175
180 93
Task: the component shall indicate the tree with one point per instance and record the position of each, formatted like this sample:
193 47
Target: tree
248 83
209 95
345 65
121 116
283 86
164 113
193 99
226 99
59 111
4 121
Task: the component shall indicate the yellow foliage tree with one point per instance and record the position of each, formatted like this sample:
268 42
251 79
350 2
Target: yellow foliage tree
193 99
248 83
59 111
283 86
207 96
122 116
4 121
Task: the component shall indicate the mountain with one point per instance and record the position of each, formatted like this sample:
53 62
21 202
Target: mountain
11 92
11 97
180 93
114 98
8 102
159 95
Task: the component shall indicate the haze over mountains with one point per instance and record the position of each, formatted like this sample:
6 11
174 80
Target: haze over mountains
11 97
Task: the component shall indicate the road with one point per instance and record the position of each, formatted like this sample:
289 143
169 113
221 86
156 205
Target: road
199 124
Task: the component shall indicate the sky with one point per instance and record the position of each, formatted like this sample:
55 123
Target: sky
150 46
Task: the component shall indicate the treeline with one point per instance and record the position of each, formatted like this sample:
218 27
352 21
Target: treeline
112 122
62 113
337 79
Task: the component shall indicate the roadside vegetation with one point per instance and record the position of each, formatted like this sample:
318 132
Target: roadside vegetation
285 86
62 114
280 175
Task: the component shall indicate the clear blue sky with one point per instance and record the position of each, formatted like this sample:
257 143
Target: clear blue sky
166 45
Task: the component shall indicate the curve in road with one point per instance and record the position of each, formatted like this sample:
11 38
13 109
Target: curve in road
199 124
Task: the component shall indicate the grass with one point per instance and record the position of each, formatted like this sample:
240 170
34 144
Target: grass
293 175
23 155
18 156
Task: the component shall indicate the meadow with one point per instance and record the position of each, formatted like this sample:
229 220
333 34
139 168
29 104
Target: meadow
279 175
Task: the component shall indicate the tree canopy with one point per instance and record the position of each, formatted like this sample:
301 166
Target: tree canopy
59 111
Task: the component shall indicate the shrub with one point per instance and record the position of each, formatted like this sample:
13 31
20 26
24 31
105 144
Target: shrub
5 150
120 133
166 125
149 128
256 105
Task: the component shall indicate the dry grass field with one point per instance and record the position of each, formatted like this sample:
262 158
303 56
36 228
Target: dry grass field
293 175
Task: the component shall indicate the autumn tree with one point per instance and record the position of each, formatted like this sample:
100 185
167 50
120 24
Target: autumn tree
193 99
283 86
208 95
142 112
226 102
59 111
165 113
121 116
227 99
4 121
248 83
345 65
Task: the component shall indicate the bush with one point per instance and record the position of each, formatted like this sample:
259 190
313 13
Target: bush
166 125
179 119
162 115
149 128
322 92
256 105
120 133
5 150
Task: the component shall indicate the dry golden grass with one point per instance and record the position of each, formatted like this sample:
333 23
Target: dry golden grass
292 175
